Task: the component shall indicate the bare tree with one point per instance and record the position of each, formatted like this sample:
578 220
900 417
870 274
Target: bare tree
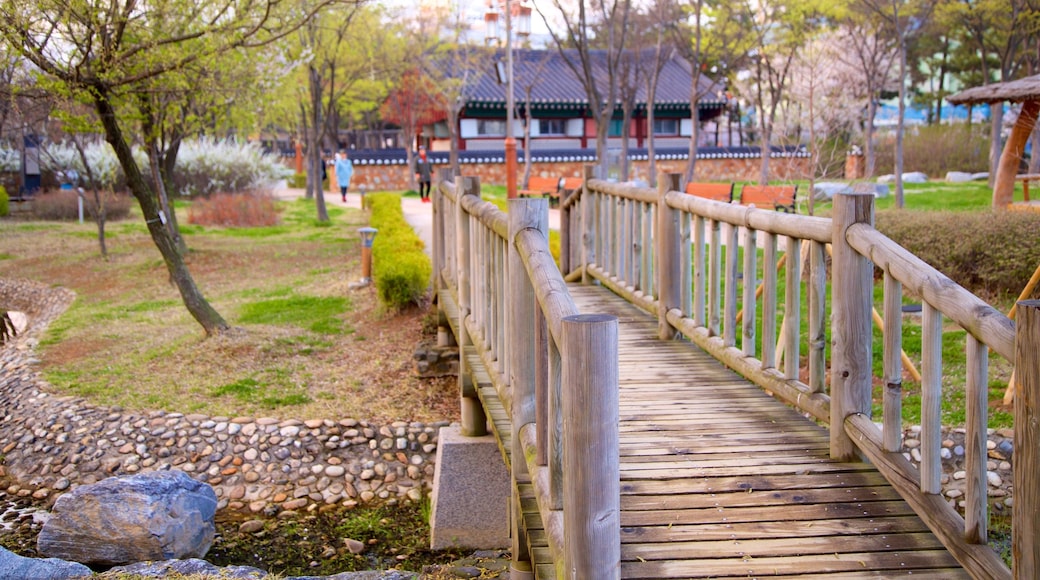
906 20
871 48
597 71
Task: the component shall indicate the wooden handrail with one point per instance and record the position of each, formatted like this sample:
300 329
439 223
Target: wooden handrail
984 322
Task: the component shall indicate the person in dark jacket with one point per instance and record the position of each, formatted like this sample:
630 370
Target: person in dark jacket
423 168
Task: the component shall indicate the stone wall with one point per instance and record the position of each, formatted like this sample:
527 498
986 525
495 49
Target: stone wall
395 177
52 443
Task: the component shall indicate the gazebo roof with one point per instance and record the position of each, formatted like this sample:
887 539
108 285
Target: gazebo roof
1024 89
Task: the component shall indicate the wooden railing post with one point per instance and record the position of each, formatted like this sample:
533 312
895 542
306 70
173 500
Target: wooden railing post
669 255
524 214
474 421
591 464
588 224
851 323
1025 513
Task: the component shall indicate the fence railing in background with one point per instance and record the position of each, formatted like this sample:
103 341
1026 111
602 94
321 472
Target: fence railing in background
697 283
543 357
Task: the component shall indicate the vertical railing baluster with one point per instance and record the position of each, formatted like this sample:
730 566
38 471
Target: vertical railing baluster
975 439
892 401
715 280
668 252
699 267
747 341
729 323
768 301
817 318
931 399
685 264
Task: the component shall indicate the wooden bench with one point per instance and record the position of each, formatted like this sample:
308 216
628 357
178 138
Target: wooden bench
715 191
1025 179
779 197
544 186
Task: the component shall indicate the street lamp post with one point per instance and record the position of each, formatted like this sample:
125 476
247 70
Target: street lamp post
524 16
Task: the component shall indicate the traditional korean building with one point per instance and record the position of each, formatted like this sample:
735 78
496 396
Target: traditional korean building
559 107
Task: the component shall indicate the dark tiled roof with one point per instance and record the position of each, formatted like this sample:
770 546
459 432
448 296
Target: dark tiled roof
397 156
553 81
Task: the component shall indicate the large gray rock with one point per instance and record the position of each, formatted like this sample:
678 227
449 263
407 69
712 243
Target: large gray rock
187 568
14 566
958 177
159 515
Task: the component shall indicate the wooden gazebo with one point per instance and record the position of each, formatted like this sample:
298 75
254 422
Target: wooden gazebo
1026 91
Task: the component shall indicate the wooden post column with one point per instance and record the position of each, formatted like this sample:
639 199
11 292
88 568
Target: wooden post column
668 269
524 214
1007 169
1025 513
851 319
591 462
474 420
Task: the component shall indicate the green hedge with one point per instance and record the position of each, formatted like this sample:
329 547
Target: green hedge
990 253
400 267
5 207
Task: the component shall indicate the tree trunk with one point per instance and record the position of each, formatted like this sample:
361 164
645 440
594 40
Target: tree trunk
996 111
626 129
314 144
900 120
602 131
695 121
527 137
99 201
167 165
200 309
651 97
869 155
453 132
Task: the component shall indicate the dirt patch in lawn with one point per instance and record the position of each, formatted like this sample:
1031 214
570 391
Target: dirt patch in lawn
129 341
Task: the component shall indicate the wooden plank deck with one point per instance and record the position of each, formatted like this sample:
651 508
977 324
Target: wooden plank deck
720 480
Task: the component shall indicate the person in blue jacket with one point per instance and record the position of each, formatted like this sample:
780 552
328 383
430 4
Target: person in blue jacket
344 170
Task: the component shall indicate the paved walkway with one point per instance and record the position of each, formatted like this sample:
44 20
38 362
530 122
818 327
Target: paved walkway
418 214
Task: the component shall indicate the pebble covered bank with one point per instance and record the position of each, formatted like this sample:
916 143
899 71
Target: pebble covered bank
50 444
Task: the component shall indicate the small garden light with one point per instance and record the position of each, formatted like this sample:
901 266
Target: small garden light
367 236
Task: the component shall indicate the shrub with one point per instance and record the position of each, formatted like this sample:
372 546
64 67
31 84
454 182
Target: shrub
63 205
298 181
4 202
936 149
991 253
234 210
206 167
400 267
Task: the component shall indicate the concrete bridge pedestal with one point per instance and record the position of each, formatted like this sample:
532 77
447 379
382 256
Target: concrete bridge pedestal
470 493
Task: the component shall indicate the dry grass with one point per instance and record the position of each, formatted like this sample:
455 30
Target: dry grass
128 340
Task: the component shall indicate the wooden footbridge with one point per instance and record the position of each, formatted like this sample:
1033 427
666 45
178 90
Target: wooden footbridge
665 415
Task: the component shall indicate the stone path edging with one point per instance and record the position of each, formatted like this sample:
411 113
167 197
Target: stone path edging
50 444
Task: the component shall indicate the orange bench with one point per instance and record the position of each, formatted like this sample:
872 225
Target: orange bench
544 186
716 191
779 197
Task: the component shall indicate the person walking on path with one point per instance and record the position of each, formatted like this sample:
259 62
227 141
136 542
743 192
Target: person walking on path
344 171
423 168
